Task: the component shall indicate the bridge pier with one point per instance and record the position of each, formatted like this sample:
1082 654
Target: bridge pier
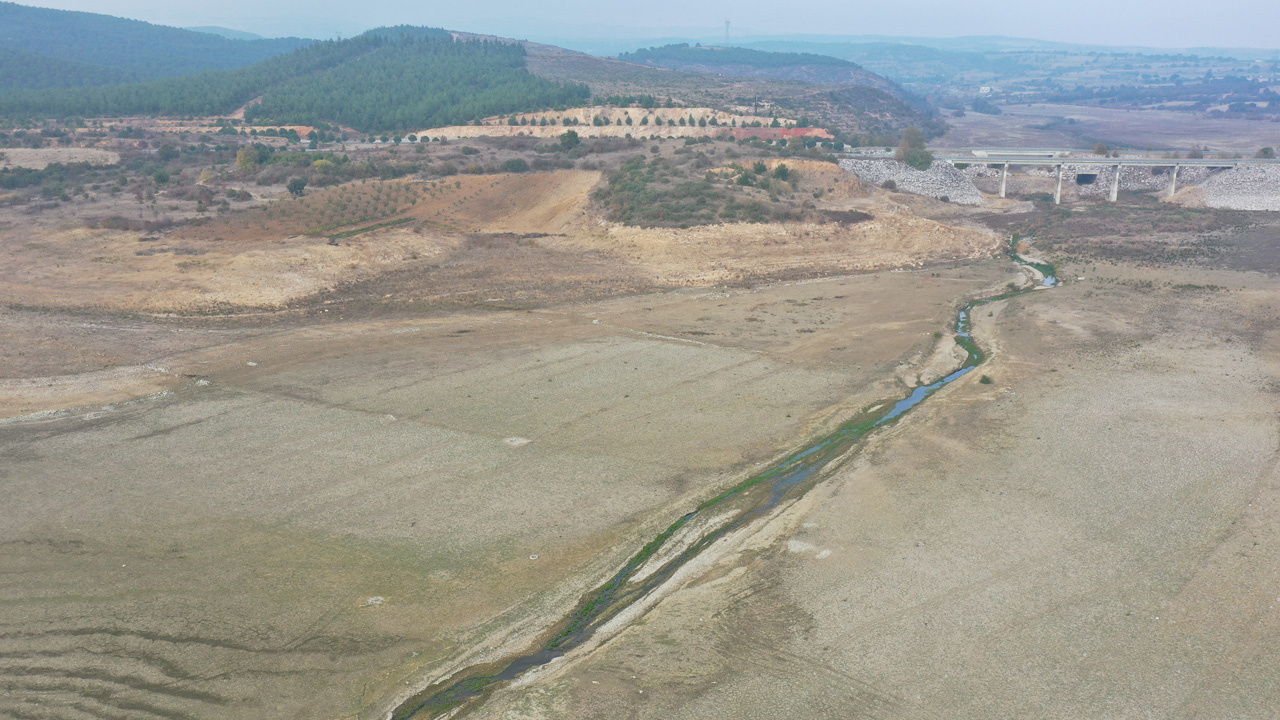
1004 179
1057 194
1115 184
1173 180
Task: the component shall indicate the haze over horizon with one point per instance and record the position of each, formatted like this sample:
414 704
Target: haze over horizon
1176 25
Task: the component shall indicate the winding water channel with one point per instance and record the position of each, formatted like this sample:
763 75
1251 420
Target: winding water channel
756 496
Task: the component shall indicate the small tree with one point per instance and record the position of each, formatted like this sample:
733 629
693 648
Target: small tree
1101 149
248 158
911 150
782 172
167 152
1266 153
1196 154
569 140
296 186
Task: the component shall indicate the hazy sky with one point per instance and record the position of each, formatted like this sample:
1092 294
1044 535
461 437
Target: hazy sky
1166 23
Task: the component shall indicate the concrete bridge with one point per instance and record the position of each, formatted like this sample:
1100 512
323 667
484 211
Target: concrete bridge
1005 157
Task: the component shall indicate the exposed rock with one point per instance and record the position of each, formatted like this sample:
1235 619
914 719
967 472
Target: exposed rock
1248 187
941 180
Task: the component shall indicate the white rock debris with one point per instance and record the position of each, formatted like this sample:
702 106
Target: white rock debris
1248 187
941 180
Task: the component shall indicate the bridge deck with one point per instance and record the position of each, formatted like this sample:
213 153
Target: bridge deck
1042 157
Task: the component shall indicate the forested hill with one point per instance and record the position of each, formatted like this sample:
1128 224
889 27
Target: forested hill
420 83
129 50
19 69
745 62
390 79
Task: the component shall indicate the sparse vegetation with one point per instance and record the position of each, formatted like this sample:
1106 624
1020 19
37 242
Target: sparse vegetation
911 150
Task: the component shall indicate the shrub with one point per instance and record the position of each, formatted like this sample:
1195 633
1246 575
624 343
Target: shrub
515 165
985 380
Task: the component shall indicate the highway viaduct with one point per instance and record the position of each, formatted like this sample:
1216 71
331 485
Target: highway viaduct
1004 157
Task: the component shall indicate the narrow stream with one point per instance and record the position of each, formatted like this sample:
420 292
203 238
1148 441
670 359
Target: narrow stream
759 494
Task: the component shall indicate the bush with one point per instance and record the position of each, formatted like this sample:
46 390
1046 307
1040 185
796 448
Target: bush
985 380
889 185
161 177
984 106
273 175
1266 152
911 150
515 165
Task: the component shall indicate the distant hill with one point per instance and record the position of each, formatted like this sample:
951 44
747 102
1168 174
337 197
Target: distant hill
902 62
135 50
865 114
227 33
386 80
746 62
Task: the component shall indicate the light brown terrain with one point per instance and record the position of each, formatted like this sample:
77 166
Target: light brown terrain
253 473
1095 533
488 241
356 506
39 158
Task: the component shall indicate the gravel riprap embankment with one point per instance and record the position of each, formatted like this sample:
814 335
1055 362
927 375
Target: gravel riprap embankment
1249 187
941 180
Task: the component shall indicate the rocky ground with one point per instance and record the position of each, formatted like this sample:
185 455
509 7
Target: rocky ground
1249 187
941 181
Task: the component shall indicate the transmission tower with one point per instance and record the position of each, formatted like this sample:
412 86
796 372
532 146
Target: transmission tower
726 31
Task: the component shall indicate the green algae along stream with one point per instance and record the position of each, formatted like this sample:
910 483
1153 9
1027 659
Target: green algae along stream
761 493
